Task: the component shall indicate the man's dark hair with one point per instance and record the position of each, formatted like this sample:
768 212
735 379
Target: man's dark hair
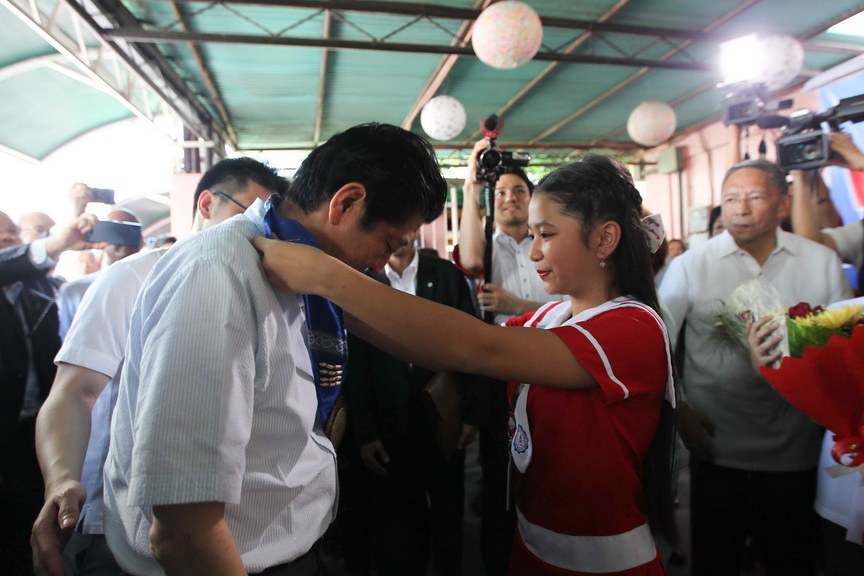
518 171
775 174
231 176
398 169
716 212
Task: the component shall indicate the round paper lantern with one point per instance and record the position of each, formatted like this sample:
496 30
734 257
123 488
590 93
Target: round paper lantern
507 34
443 118
782 61
651 123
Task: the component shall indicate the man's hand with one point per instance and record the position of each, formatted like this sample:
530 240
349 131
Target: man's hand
469 433
852 157
54 526
375 457
762 336
72 236
79 196
695 429
472 185
496 299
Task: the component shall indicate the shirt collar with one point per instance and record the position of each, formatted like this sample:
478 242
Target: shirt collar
409 272
726 245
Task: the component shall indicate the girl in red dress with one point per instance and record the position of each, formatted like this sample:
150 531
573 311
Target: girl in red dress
590 379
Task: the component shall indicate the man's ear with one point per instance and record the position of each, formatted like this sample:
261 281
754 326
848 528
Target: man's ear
784 208
348 202
205 203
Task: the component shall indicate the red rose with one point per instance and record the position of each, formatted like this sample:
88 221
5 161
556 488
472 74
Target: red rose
800 310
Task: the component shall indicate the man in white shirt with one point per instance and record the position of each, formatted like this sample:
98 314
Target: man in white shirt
88 375
756 473
218 461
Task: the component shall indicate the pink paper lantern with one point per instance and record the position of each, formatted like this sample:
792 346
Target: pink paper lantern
507 34
783 59
651 123
443 118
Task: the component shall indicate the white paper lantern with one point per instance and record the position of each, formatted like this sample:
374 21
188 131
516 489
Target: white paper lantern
507 34
782 61
651 123
443 118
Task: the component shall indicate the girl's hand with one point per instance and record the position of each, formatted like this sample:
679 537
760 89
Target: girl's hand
762 339
292 267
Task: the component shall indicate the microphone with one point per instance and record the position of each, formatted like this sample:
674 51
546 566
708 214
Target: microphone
772 121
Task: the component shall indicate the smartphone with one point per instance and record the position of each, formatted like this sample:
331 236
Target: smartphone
102 195
116 232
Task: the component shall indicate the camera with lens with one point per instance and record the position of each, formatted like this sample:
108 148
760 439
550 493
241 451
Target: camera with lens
493 159
746 104
804 145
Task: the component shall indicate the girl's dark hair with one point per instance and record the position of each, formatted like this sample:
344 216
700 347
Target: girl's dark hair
597 189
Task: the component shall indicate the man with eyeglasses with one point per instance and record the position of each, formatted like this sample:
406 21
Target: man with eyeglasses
753 455
73 428
218 462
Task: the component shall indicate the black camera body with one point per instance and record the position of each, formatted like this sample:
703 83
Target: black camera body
746 104
803 151
805 145
493 159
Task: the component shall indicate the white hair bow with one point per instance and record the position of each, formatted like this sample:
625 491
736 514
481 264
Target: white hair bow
652 226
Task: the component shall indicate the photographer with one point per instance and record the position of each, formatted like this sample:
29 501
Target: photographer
810 194
514 288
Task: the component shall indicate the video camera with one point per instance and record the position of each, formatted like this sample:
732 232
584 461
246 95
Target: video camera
805 145
491 160
747 101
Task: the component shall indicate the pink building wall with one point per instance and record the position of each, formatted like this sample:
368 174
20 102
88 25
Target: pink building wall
706 159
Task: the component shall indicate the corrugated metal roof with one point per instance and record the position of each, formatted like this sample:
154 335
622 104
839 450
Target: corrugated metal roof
269 74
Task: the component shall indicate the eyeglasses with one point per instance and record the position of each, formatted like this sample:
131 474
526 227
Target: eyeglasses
227 197
753 199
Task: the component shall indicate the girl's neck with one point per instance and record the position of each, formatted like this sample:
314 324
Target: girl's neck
585 301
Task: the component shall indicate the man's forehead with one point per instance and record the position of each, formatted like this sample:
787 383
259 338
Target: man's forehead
6 221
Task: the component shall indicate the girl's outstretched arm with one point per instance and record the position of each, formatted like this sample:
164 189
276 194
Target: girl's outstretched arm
419 330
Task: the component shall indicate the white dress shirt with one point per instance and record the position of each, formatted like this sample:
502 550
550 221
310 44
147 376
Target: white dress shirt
217 403
756 429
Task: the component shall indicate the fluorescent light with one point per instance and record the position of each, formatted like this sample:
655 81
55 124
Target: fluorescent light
852 26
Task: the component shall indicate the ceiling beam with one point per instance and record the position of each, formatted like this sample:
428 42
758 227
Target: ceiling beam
807 41
447 12
584 37
615 89
153 67
442 70
205 75
170 36
322 81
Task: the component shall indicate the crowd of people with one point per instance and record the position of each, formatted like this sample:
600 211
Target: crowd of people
295 382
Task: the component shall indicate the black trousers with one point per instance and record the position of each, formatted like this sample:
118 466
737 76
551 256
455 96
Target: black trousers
498 524
410 519
21 497
309 564
775 509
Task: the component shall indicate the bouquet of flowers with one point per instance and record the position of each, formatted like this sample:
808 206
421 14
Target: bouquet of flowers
801 325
